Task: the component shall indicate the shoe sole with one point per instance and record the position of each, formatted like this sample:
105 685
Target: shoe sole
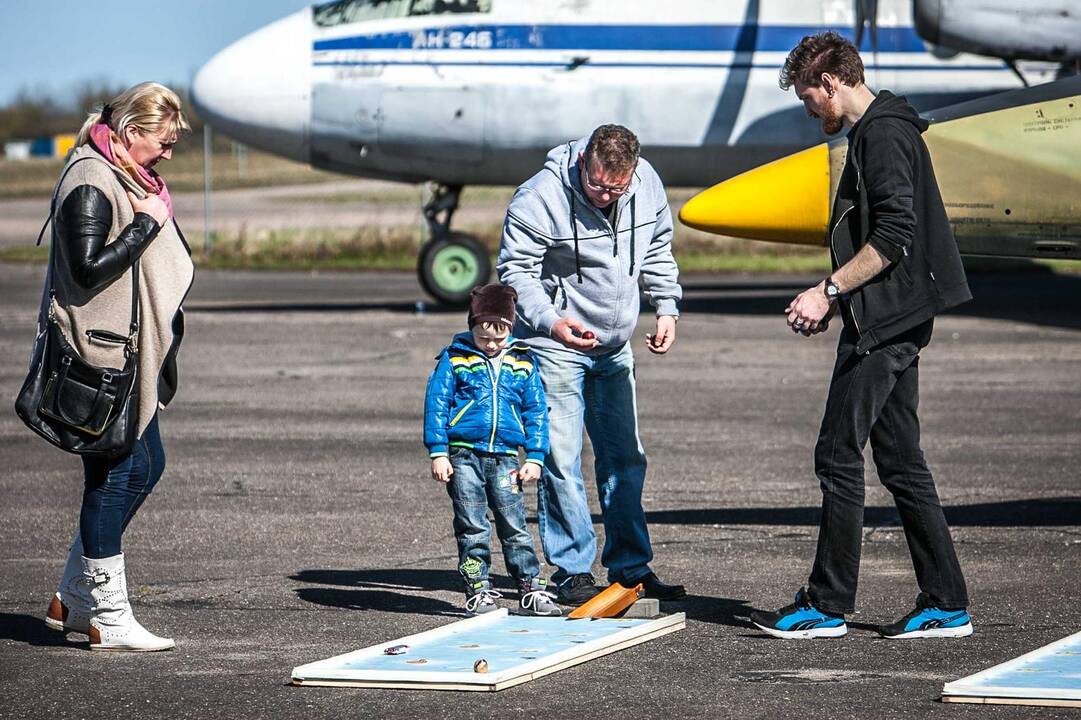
125 648
811 634
957 632
61 627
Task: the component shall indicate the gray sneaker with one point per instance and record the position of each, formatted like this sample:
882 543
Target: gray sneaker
535 599
480 598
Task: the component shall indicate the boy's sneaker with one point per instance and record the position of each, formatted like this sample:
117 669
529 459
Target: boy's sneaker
535 599
800 620
576 589
480 598
928 621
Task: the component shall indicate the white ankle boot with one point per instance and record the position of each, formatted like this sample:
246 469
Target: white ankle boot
112 624
69 610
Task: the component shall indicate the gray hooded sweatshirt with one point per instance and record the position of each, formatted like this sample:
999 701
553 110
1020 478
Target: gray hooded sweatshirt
564 257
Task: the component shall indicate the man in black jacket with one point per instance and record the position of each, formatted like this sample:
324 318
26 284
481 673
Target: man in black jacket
895 266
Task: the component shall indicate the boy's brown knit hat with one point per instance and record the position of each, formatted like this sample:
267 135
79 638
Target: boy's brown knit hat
492 303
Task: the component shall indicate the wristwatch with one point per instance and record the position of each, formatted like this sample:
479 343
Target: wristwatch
832 291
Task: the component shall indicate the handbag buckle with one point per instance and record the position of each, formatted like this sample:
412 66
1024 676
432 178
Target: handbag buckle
133 341
107 377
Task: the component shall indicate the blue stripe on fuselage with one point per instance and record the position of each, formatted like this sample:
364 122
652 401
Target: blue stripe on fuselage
623 65
699 38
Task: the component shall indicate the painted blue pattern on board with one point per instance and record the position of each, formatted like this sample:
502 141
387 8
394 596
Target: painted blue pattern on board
511 641
1059 669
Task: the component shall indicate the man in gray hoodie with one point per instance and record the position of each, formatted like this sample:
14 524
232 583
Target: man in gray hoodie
580 239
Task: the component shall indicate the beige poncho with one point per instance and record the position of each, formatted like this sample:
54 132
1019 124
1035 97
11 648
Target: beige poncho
166 273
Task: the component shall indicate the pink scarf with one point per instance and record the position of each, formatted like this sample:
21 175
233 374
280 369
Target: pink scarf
108 144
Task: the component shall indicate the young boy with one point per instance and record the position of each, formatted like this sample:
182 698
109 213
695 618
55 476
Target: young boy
484 400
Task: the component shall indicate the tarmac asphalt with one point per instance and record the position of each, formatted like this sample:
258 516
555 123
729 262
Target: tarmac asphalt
297 520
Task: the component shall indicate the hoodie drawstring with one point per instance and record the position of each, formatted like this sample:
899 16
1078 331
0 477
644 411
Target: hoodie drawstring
577 258
632 234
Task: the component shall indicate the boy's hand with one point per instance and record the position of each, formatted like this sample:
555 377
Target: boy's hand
530 472
441 469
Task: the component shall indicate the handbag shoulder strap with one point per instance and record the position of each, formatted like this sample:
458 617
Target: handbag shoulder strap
56 195
48 293
133 327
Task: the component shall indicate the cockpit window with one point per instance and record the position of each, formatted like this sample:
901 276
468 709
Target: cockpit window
351 11
447 7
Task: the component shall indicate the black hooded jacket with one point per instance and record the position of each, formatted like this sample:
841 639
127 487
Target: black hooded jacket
888 197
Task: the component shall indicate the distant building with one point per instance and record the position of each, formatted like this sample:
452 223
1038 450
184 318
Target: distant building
17 150
57 146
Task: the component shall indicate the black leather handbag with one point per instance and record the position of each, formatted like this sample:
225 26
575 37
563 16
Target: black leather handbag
78 407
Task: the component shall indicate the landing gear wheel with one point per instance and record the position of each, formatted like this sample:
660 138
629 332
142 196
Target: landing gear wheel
450 266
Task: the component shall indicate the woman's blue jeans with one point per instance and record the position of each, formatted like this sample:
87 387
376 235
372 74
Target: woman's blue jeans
114 490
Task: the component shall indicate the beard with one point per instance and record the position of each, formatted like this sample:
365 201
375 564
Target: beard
832 122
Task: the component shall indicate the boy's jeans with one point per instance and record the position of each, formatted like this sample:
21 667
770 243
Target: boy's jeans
875 397
481 481
598 391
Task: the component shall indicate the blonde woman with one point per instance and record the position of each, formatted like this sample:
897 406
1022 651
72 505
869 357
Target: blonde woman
112 210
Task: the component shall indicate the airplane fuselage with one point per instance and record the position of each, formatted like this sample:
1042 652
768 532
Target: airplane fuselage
479 97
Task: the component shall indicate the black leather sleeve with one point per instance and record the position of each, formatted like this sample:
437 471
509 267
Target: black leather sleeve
83 227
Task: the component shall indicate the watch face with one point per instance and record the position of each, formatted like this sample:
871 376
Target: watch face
832 290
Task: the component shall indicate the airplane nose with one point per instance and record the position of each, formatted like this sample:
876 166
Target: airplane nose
258 90
787 200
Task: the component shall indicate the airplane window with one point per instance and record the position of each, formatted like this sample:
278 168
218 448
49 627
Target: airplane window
350 11
447 7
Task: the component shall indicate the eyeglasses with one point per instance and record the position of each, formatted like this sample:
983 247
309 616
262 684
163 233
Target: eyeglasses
156 137
598 188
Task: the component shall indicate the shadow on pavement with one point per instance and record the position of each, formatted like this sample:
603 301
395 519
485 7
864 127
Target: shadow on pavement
32 631
374 589
430 307
387 578
1035 295
1039 512
381 600
716 610
1023 293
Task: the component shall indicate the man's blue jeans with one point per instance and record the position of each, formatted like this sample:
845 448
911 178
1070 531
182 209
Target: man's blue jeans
481 481
114 490
597 392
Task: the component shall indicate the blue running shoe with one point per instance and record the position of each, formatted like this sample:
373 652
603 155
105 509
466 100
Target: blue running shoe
800 620
928 621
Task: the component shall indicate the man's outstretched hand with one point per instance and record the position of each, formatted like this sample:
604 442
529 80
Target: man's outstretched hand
571 332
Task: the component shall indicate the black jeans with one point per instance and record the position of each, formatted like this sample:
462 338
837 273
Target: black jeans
875 397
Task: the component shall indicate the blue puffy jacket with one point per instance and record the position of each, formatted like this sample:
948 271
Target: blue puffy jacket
466 405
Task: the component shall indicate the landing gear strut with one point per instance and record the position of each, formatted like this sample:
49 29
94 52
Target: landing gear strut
450 263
